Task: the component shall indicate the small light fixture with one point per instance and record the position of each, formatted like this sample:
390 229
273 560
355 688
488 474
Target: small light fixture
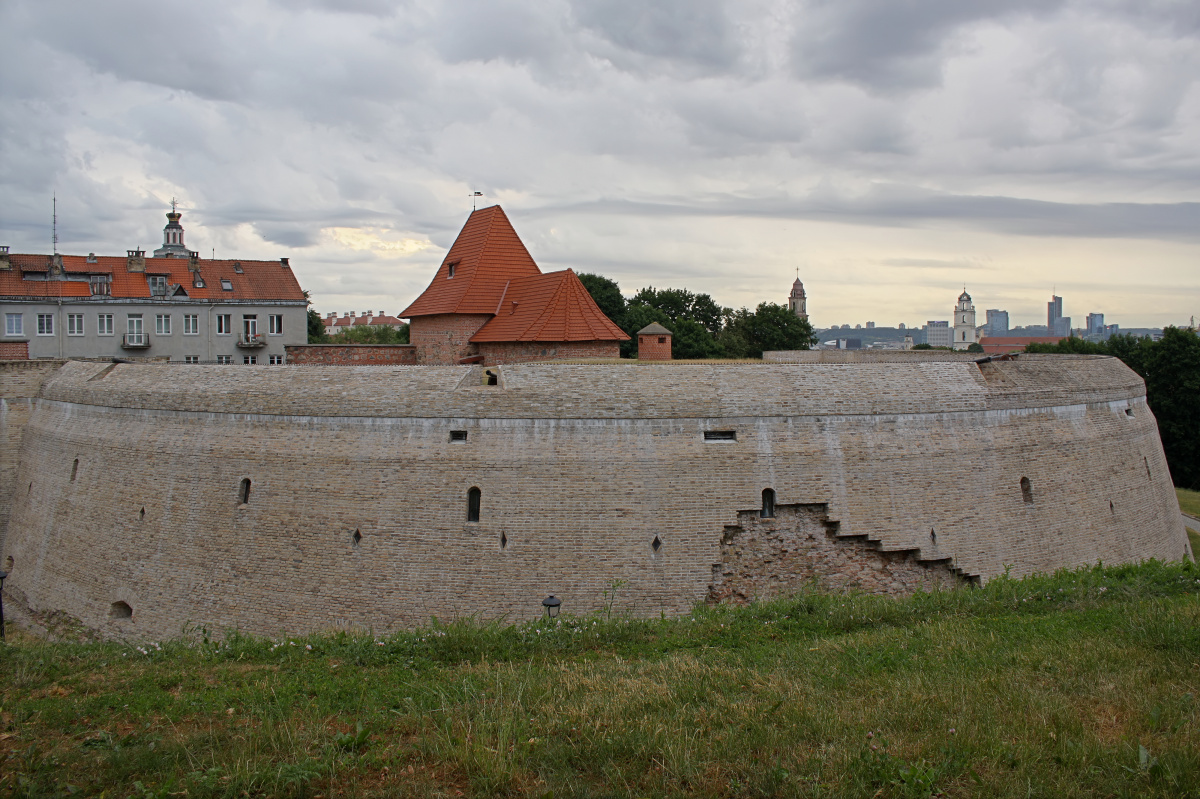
551 604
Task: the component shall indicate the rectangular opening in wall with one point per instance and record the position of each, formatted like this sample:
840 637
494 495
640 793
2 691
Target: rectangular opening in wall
720 435
458 435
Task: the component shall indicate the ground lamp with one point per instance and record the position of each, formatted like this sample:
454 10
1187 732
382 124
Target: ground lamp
551 604
2 576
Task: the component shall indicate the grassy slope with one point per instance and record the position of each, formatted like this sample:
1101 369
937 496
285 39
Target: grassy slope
1082 684
1189 503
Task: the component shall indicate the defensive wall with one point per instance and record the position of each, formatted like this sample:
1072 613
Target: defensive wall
149 497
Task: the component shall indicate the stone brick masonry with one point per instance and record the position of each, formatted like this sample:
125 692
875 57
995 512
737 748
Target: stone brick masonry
527 352
653 347
443 338
352 354
129 485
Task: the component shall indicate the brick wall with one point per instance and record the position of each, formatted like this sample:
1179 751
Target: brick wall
527 351
14 350
654 348
445 338
581 468
352 354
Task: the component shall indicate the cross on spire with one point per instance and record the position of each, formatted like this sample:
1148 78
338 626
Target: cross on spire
172 205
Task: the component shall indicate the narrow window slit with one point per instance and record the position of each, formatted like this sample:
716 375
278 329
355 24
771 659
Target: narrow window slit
142 513
720 435
244 491
357 537
74 469
1026 491
768 503
503 541
656 544
473 497
933 536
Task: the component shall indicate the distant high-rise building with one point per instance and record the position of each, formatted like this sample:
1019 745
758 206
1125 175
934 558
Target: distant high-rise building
1095 324
900 326
938 334
797 300
964 322
870 325
1056 323
997 323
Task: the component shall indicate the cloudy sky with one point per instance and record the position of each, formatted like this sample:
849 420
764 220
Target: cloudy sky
893 151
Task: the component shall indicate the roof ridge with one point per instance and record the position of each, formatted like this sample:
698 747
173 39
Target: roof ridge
487 236
548 310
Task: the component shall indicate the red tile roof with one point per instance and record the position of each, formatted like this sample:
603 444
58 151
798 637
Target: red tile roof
997 345
258 280
551 307
486 255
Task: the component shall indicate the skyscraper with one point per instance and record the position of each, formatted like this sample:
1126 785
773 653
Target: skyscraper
1056 323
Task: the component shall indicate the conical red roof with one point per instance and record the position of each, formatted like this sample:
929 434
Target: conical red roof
486 255
550 307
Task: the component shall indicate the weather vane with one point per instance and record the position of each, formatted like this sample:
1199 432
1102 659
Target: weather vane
473 195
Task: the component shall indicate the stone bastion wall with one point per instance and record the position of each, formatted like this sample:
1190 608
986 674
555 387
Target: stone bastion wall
289 499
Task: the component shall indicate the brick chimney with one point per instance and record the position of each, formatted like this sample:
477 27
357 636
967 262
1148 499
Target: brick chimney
5 263
193 260
135 260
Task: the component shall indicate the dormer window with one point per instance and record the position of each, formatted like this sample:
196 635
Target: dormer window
450 269
237 267
158 284
198 282
100 285
226 285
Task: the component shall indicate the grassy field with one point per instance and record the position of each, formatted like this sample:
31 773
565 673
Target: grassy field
1078 685
1189 503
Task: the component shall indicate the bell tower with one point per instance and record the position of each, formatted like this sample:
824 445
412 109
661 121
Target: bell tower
964 322
173 246
797 300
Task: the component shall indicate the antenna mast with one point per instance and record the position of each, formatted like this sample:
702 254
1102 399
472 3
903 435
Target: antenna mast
54 225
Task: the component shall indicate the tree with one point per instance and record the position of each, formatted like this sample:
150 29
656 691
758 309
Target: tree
607 296
683 304
770 327
975 346
691 341
316 328
367 334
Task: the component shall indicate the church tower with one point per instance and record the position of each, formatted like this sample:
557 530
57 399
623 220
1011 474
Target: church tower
797 301
172 237
964 322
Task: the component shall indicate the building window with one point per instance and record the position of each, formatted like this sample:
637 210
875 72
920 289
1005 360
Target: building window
162 324
720 435
244 491
104 324
100 285
226 285
14 324
275 360
224 324
191 359
133 329
276 324
249 360
768 503
473 497
225 359
74 324
250 326
158 285
450 269
191 324
458 435
1026 491
45 324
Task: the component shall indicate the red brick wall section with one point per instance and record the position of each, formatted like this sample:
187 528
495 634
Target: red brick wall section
525 351
654 348
14 350
445 338
352 354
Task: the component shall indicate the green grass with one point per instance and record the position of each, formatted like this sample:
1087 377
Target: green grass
1189 502
1077 685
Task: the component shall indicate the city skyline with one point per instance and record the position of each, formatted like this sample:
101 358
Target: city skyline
890 153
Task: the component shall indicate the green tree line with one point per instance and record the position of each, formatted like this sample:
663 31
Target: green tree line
1171 369
362 334
700 327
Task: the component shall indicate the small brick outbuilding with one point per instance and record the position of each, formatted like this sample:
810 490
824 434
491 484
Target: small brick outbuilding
654 343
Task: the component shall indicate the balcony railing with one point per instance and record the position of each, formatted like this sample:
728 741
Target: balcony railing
251 340
135 341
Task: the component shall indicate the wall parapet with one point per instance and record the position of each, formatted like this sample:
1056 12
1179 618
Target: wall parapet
352 354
